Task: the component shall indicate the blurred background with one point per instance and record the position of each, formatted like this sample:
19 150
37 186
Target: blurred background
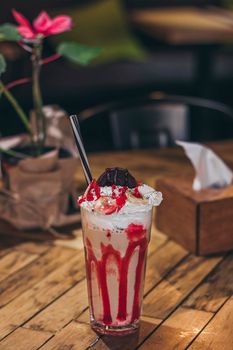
181 48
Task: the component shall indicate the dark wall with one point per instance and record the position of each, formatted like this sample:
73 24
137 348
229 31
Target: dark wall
155 3
31 8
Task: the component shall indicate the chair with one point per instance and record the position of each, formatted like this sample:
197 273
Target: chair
149 126
153 120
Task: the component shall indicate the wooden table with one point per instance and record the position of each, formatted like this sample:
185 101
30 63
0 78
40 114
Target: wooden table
201 30
186 25
188 300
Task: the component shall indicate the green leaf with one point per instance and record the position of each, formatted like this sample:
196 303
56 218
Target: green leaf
13 153
9 32
78 53
2 64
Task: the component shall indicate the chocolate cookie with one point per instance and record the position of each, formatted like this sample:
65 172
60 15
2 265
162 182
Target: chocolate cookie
117 176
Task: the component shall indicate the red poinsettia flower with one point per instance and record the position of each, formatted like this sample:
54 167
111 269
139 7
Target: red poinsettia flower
43 25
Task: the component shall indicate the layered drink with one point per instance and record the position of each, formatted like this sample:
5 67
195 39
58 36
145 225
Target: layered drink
116 215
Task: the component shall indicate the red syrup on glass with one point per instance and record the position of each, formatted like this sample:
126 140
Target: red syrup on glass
115 242
137 239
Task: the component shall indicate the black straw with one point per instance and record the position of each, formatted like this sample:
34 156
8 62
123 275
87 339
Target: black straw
82 153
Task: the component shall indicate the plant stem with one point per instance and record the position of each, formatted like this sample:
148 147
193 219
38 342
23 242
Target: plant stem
17 108
25 46
52 58
37 98
17 82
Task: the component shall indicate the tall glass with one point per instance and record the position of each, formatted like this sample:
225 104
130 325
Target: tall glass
115 253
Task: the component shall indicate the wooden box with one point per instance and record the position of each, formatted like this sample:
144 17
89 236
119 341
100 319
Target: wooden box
200 221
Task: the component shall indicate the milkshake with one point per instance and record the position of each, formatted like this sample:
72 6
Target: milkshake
116 214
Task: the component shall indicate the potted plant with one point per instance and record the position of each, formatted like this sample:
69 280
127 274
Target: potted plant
30 163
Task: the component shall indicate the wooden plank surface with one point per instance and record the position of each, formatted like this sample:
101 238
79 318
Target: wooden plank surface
214 291
24 279
177 331
161 262
14 261
172 290
188 300
40 295
58 314
68 336
218 334
23 339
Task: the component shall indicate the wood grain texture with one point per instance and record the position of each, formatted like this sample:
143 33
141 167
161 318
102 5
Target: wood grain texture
13 262
84 317
216 220
61 311
161 262
218 334
190 217
162 300
157 240
177 332
32 247
214 291
176 216
24 339
43 293
75 336
24 279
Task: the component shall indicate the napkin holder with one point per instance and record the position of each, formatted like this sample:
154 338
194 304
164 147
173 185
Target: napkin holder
201 221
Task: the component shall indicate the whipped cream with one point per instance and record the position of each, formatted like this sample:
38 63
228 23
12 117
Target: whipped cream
154 197
119 199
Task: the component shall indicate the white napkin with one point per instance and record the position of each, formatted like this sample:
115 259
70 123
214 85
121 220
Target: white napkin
210 170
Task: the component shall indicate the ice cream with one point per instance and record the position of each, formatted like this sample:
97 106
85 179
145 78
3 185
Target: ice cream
116 219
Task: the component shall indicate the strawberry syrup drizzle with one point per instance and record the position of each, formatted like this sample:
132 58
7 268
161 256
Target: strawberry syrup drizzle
106 252
136 302
93 193
136 193
90 257
137 238
123 286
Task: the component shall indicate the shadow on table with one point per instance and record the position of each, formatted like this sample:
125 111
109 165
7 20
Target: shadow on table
127 342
